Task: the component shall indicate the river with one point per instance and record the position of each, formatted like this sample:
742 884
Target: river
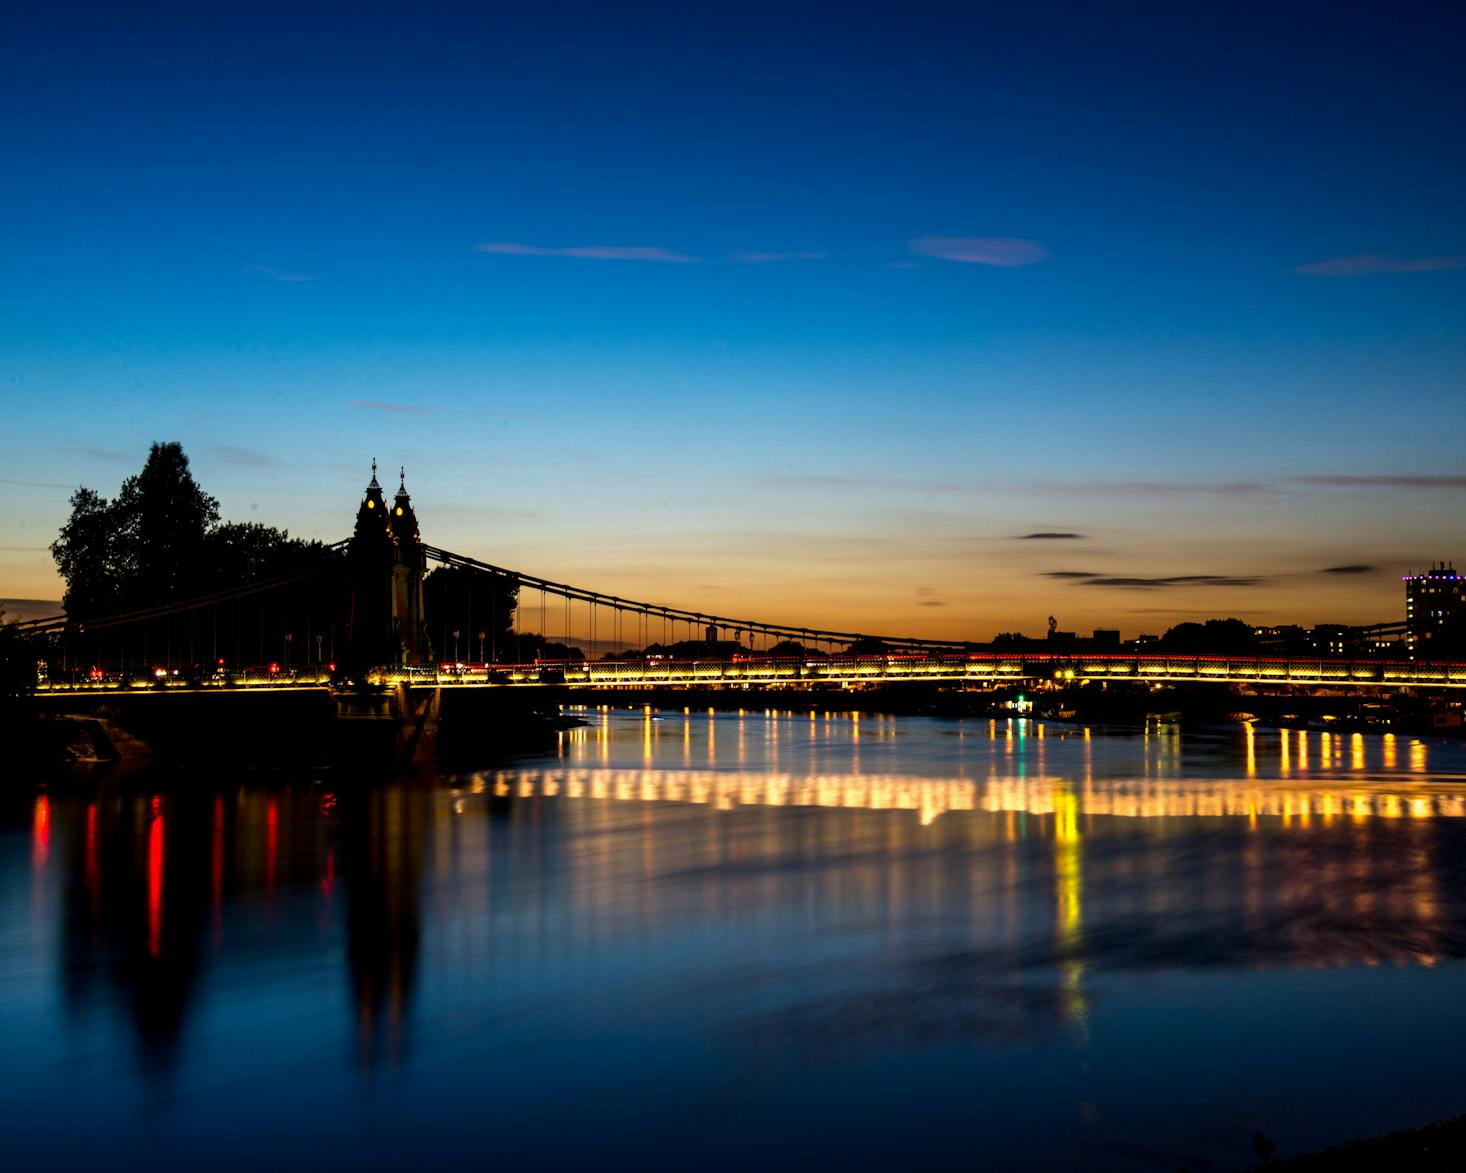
722 940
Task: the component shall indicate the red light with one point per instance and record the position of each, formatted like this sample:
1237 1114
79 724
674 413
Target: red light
155 881
41 834
272 841
274 668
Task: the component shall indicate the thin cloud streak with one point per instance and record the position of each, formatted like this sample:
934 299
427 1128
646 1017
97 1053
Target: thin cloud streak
1355 569
1157 488
1049 536
249 457
1082 578
401 408
1179 580
756 258
589 252
818 481
267 271
1004 252
1372 264
108 454
1393 482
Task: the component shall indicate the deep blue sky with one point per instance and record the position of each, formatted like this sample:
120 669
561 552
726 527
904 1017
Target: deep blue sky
764 378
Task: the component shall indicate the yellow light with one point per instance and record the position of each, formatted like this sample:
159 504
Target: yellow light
371 504
399 511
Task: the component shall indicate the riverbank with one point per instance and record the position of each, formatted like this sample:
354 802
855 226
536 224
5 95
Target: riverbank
1438 1146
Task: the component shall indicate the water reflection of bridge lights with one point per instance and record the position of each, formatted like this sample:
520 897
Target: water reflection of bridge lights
930 798
1069 888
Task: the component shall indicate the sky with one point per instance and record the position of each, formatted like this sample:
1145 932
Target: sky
890 318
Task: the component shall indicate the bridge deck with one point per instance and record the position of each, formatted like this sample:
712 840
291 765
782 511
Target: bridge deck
985 669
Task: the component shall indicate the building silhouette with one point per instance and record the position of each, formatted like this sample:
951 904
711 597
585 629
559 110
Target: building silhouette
1435 611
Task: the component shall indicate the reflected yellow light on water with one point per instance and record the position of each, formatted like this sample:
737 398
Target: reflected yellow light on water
1356 751
1302 749
1251 735
1069 892
1417 757
1285 767
1387 744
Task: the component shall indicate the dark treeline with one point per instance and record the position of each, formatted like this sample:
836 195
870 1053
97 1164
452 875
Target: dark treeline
160 541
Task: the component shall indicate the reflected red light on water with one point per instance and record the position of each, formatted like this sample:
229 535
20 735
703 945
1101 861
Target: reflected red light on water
41 832
93 867
216 863
328 881
272 841
155 880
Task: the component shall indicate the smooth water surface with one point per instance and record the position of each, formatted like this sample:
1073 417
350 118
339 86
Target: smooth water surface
715 940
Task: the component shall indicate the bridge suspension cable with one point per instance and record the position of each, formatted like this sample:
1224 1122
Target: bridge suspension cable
647 611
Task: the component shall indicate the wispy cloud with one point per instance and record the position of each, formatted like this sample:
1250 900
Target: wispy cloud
1006 252
1372 264
1152 583
278 275
403 408
1177 580
1355 569
755 258
1403 481
589 252
835 481
110 455
35 484
1049 536
1159 488
250 457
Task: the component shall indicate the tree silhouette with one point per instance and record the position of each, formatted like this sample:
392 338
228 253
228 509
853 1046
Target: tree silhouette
160 540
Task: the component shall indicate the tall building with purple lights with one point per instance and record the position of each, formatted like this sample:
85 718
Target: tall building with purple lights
1435 611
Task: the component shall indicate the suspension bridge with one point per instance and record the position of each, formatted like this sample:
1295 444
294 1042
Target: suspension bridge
358 612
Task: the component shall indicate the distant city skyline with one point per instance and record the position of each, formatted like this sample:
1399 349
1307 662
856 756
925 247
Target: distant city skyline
916 321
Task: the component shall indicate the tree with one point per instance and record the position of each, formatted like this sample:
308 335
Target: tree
1229 636
163 518
89 556
242 551
160 540
17 663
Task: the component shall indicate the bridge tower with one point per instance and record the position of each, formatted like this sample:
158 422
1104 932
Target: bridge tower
407 576
387 563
